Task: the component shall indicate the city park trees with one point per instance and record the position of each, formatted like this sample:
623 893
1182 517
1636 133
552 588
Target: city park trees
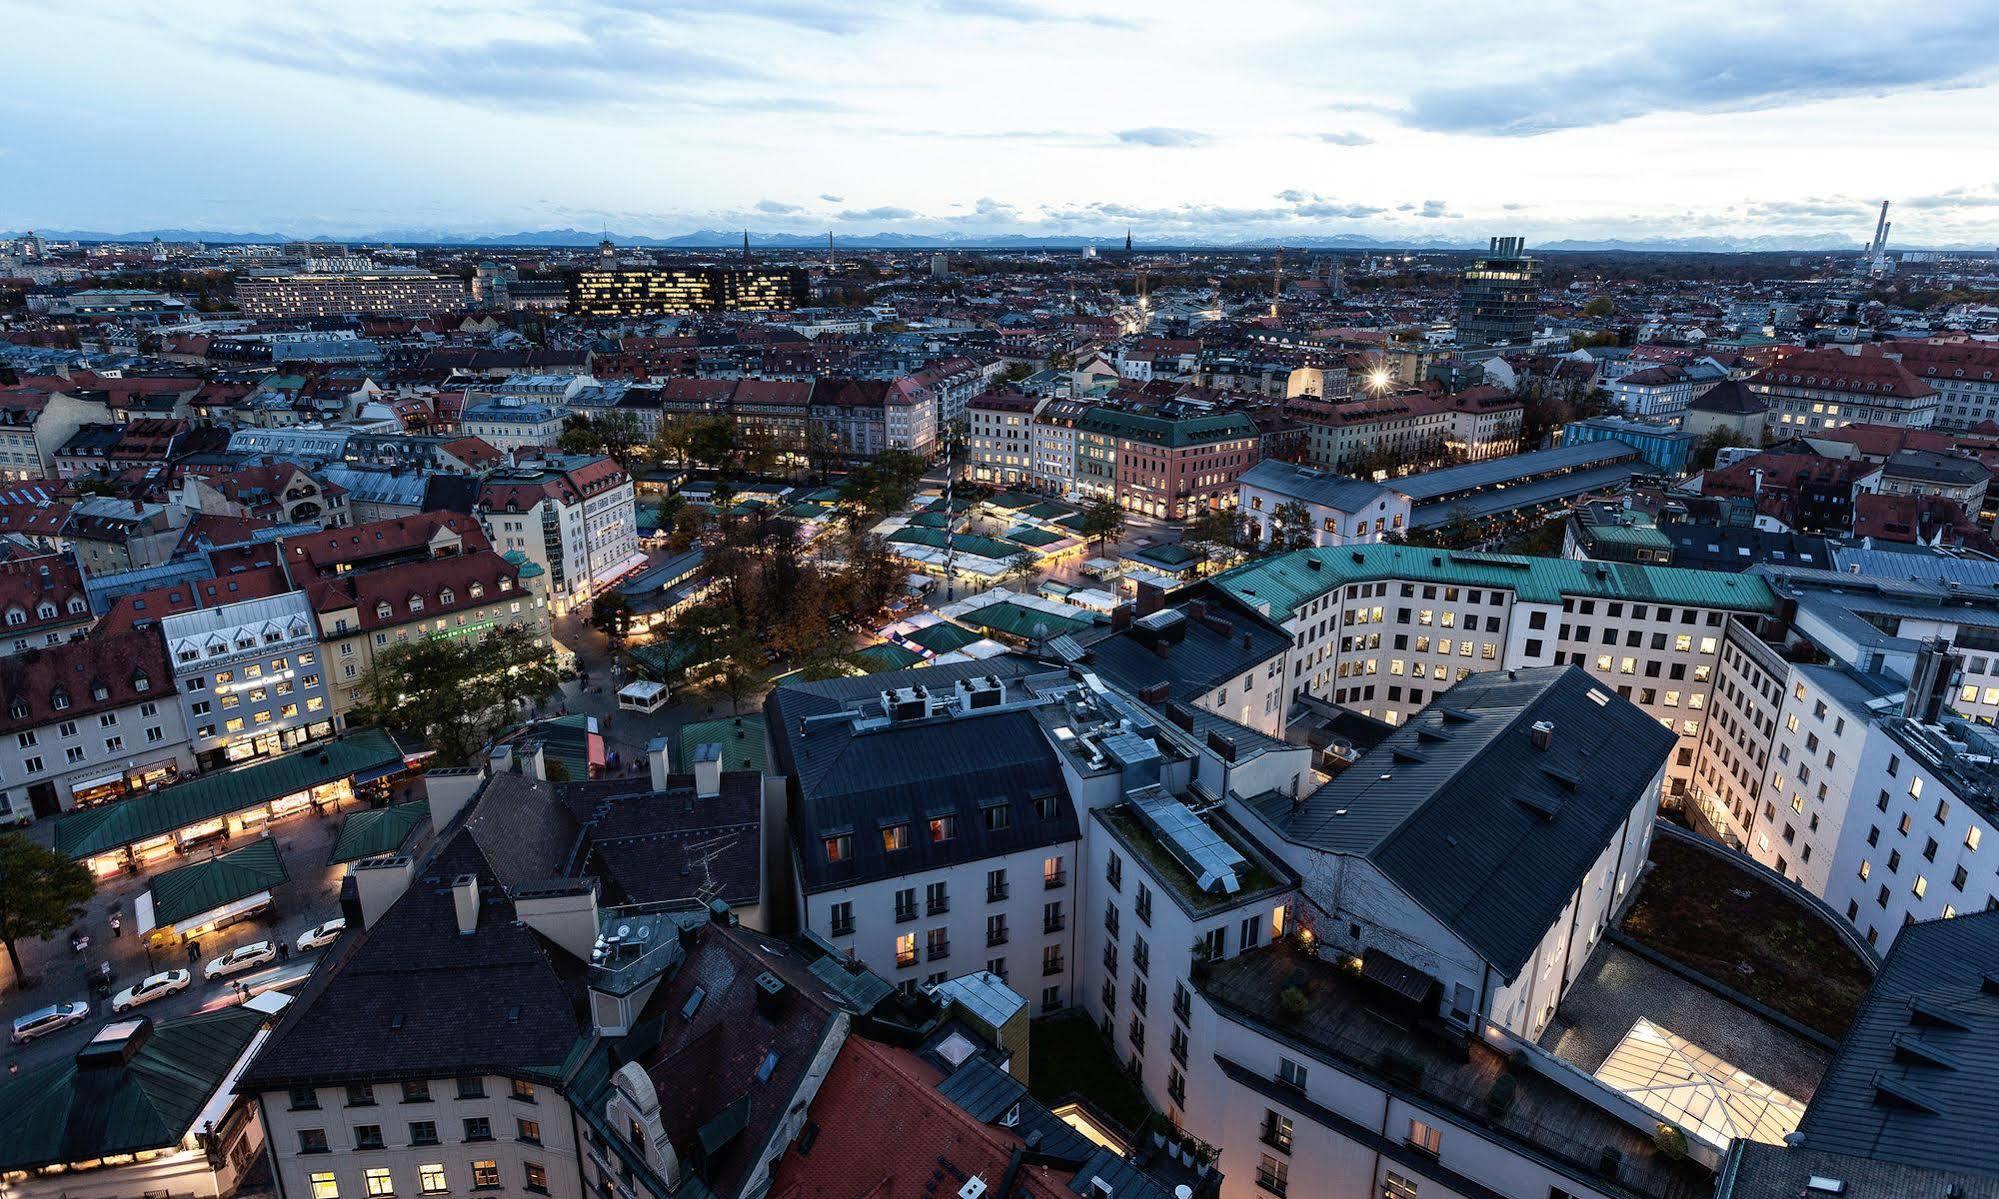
453 691
41 893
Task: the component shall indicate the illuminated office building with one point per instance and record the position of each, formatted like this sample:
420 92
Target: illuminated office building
1500 296
388 294
649 291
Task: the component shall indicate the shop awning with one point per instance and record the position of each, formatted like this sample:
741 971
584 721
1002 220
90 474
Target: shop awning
105 829
197 890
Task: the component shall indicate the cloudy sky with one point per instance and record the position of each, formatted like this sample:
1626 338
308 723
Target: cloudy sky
1265 118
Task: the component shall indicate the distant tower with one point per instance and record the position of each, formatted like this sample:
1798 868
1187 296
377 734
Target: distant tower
829 251
746 245
1277 283
607 254
1127 239
1877 250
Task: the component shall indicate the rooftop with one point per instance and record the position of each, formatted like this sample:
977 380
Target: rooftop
1433 1067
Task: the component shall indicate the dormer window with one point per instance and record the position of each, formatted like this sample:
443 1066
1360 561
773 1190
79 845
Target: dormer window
16 616
99 692
59 698
416 603
447 596
18 710
476 590
45 610
506 584
383 611
141 683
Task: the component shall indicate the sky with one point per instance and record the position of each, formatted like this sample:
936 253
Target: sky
1266 119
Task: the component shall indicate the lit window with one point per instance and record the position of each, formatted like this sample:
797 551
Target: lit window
325 1186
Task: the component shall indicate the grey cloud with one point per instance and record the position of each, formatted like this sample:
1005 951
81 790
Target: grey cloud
1434 209
883 213
1693 70
776 208
1348 138
1162 135
1321 208
830 198
1957 197
1813 208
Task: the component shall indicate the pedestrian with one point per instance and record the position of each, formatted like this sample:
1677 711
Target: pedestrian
13 1069
284 951
117 926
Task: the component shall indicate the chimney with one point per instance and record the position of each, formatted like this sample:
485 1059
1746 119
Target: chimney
1542 734
656 758
1223 745
1197 609
1149 598
707 770
772 996
534 763
465 901
375 885
1181 715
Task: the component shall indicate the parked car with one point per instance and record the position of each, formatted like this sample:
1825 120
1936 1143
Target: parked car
153 986
241 958
53 1018
322 934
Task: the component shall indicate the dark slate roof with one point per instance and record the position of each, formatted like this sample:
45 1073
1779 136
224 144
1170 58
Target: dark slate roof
1916 1078
1459 810
1759 1171
1729 398
209 884
656 846
411 997
845 781
63 1113
983 1089
524 834
1209 652
1735 548
706 1062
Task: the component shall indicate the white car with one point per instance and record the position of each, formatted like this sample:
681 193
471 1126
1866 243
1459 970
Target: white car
322 934
153 986
54 1018
241 958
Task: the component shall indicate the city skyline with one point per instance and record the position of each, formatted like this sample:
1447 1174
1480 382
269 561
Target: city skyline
792 118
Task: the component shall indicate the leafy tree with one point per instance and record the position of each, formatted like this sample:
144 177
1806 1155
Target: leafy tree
1710 447
1103 522
1290 527
1601 306
688 527
1022 567
711 440
611 615
453 691
883 486
41 892
666 513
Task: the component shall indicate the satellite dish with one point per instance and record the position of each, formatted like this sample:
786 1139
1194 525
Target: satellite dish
624 930
645 932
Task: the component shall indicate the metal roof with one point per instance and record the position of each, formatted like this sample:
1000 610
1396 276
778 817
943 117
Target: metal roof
377 831
1285 582
1916 1077
90 831
63 1113
1454 480
1463 812
204 886
1312 486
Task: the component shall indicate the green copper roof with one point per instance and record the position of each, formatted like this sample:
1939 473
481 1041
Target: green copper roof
1019 620
1167 431
90 831
1286 581
204 886
741 739
377 831
878 658
60 1113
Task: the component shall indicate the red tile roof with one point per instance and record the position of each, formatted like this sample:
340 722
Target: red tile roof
886 1133
82 678
422 590
1835 370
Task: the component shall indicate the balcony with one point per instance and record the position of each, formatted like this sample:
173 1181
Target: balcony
995 936
939 950
1051 966
905 958
1054 924
1276 1137
937 907
904 915
1274 1183
841 928
996 894
1055 880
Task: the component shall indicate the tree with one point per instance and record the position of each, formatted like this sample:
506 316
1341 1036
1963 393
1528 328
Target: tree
883 486
1022 567
1103 522
1601 306
453 691
611 615
1290 527
1212 533
41 892
1708 448
711 440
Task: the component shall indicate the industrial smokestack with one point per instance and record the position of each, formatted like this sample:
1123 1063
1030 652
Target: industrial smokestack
1880 231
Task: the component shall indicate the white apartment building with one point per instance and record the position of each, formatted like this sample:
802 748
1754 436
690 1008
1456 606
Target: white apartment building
999 439
573 517
1384 629
511 423
87 722
248 677
1054 446
1341 511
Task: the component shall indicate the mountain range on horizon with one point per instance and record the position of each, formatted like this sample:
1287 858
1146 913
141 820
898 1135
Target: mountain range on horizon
719 239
